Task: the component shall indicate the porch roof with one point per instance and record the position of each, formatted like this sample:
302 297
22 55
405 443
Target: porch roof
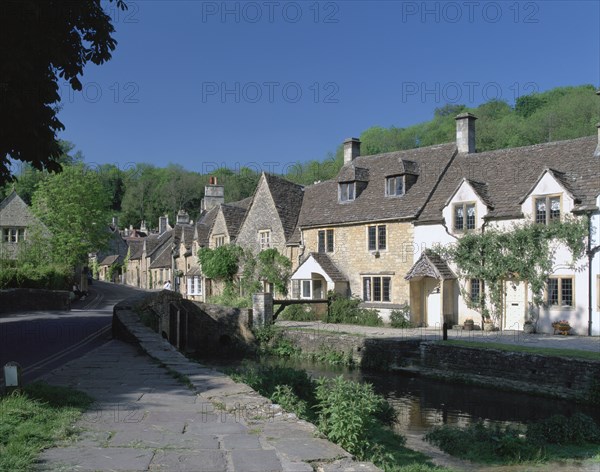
430 265
319 263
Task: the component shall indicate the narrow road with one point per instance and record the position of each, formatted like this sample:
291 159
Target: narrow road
44 340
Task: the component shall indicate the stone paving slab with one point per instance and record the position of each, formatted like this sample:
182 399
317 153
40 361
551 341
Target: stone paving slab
95 458
145 419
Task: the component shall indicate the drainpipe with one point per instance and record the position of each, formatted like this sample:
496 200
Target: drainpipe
590 253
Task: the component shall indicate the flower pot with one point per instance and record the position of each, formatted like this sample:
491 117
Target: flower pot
468 326
564 329
528 328
488 326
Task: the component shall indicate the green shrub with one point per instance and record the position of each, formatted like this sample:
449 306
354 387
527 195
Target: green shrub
558 429
482 443
298 313
50 277
401 318
349 413
347 311
284 395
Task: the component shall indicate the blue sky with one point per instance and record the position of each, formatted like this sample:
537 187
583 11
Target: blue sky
269 83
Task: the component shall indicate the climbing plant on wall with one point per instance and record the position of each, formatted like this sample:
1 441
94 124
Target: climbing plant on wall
525 252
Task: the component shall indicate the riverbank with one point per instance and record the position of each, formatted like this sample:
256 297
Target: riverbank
540 365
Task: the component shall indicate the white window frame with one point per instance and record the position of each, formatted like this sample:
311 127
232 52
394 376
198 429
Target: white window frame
194 285
394 178
219 240
347 191
464 206
560 304
264 239
547 199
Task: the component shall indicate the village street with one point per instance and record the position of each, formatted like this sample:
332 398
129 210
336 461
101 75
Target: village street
44 340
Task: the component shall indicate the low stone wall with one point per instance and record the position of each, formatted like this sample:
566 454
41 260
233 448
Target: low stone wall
369 353
558 377
198 329
26 299
539 374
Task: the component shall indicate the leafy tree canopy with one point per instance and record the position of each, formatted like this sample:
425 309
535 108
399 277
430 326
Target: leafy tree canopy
75 207
43 41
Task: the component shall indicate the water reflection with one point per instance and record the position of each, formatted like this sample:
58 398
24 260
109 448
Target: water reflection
423 403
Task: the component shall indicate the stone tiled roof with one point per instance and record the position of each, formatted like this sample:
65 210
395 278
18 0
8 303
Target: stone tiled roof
351 173
329 267
136 247
509 174
110 260
321 206
14 212
204 225
234 217
162 258
480 188
287 197
245 203
430 265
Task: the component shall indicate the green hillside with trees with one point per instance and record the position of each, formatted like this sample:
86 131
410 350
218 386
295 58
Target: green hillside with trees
144 191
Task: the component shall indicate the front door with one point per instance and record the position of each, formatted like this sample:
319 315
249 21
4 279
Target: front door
514 304
434 306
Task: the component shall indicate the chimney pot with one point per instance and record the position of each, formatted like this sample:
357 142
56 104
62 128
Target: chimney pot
465 133
351 149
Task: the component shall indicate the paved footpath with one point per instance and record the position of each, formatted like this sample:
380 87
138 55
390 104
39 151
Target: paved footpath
514 337
145 419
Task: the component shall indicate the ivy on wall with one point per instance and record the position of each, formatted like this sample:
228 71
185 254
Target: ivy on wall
526 252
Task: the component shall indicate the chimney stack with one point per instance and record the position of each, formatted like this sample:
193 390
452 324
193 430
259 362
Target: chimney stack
214 194
163 224
597 151
115 222
465 133
351 149
143 227
183 218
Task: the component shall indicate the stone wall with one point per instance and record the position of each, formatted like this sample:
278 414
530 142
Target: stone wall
369 353
519 371
352 257
24 299
554 376
197 328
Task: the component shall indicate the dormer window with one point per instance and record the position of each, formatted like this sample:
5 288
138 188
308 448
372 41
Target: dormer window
547 209
464 216
347 191
394 186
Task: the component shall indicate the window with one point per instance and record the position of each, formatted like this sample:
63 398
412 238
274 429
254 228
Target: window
194 285
559 291
264 238
326 240
547 209
464 216
306 288
219 240
13 235
394 186
377 289
377 238
475 290
347 192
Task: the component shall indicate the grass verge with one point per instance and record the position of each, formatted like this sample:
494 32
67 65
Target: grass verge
34 420
543 351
